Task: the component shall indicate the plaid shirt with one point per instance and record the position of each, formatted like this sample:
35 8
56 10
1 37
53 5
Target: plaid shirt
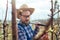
26 32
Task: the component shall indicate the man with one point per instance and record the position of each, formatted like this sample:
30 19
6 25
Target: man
25 31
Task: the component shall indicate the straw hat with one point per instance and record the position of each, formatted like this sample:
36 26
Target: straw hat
24 7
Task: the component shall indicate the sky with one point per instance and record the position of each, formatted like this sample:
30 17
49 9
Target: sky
42 8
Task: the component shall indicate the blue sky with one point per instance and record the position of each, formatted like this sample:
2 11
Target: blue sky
42 8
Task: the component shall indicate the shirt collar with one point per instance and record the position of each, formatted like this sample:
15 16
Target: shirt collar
22 24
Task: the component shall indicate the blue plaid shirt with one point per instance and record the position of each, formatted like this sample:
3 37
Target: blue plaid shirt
26 32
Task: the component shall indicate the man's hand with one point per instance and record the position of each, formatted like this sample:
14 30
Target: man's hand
38 24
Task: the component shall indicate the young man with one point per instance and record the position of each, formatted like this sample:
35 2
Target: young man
25 31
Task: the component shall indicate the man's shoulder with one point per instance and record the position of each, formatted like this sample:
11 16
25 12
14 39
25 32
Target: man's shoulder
20 27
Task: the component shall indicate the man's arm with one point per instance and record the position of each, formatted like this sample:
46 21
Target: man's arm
35 31
46 28
21 34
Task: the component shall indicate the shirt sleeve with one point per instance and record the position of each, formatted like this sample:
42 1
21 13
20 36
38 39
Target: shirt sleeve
35 31
21 34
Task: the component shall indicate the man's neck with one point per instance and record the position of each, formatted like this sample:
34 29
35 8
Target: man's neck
24 23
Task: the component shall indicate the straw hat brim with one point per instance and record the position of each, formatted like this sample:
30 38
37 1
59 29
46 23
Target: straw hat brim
24 9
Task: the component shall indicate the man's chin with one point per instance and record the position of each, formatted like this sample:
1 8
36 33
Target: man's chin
27 23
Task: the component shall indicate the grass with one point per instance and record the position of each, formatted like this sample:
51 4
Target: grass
9 31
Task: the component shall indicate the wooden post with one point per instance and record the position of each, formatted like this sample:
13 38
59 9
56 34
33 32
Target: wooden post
14 26
4 23
58 17
52 11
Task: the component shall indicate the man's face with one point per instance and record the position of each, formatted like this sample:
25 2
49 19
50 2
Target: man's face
25 17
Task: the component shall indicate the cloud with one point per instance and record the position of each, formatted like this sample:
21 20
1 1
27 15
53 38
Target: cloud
42 8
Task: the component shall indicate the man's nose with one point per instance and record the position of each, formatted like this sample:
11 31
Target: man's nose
27 18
